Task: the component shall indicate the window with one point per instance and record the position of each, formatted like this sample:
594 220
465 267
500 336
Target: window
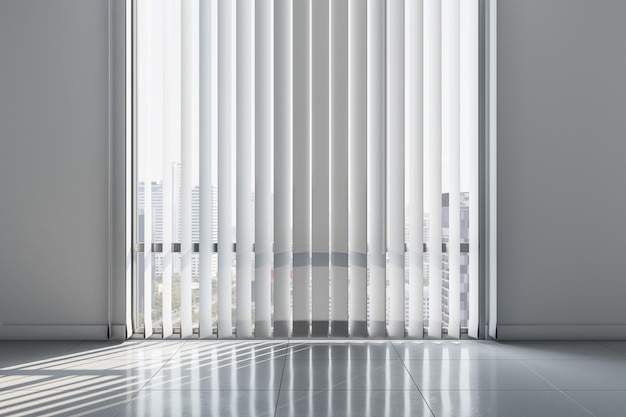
306 168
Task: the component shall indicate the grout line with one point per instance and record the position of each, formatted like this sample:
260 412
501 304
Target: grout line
76 346
555 387
412 379
280 385
150 379
577 403
609 348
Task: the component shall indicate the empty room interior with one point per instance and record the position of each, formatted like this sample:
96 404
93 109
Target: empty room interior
312 208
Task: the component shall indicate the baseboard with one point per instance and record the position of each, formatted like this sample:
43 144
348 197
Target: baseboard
505 332
62 332
561 332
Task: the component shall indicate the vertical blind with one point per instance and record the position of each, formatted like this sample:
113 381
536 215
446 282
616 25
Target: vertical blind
306 168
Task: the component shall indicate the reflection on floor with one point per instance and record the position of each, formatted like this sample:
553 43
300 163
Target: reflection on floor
312 378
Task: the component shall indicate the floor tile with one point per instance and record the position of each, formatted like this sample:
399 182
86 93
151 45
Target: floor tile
132 349
616 346
342 350
341 374
189 374
601 403
502 404
59 381
122 375
193 403
93 363
17 351
449 350
592 374
557 350
95 403
312 377
333 403
475 375
232 351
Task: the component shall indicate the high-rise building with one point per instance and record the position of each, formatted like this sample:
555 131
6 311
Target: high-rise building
464 260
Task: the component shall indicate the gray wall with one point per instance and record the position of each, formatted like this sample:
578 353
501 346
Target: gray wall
54 168
561 169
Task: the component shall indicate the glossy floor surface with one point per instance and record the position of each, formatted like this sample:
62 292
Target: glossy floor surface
313 378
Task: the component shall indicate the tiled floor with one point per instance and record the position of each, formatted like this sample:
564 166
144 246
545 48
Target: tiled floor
313 378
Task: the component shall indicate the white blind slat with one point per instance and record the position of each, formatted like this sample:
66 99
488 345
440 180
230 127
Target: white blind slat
357 165
144 128
339 167
263 167
375 167
432 120
283 19
166 105
395 165
301 167
207 72
226 138
451 131
469 132
245 123
186 77
414 164
320 163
